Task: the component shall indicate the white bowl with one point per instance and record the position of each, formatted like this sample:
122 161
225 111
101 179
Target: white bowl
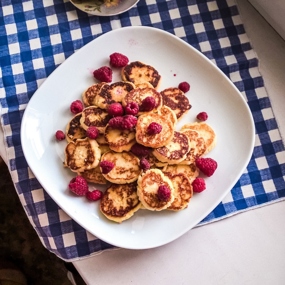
97 9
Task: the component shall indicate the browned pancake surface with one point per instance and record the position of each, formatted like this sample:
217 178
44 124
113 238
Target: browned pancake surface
74 130
175 151
138 72
176 100
120 202
96 117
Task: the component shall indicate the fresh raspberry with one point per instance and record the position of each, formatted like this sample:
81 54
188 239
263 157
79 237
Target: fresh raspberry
78 185
115 109
59 135
147 104
203 116
140 150
103 74
184 86
118 60
129 122
132 108
116 122
206 165
92 132
163 193
126 122
106 166
76 107
198 185
144 164
154 128
95 195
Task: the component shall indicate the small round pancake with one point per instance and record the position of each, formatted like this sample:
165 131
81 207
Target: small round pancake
74 130
191 171
183 191
112 93
89 95
176 100
93 175
120 202
126 169
197 146
144 85
82 154
167 113
138 72
139 94
175 151
120 140
205 131
96 117
157 140
148 184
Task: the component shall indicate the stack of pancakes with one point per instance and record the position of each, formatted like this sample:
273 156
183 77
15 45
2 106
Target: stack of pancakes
172 152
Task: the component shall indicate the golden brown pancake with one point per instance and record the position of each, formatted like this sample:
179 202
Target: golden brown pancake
112 93
82 154
126 169
139 94
191 171
120 140
74 130
175 151
138 72
89 95
148 184
120 202
183 191
197 146
176 100
205 131
156 140
93 175
96 117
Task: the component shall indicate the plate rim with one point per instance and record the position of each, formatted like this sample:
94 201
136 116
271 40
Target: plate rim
104 14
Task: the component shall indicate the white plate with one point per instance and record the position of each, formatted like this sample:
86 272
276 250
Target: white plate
211 91
92 8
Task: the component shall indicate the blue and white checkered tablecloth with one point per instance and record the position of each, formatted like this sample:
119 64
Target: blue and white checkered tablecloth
37 36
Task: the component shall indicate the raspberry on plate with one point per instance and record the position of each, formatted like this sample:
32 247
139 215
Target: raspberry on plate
59 135
106 166
94 195
92 132
184 86
76 107
78 185
129 122
140 150
198 185
103 74
207 165
115 109
118 60
154 128
202 116
147 104
144 164
163 193
116 122
132 108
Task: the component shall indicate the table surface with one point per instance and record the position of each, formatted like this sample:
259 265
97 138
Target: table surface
248 248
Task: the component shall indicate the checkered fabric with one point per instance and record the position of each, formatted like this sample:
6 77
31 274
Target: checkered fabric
36 36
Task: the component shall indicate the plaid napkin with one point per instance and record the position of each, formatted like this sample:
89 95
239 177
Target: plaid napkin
36 36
